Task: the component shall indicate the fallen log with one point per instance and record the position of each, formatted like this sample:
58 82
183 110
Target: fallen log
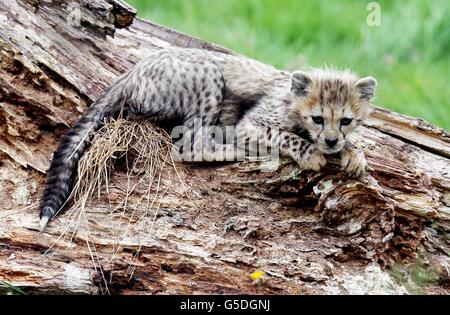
309 232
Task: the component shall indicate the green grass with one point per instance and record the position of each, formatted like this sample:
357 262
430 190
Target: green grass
409 53
11 289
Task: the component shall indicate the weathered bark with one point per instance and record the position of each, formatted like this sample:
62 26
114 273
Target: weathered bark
310 232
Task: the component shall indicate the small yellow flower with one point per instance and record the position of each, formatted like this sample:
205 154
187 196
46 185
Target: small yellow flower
257 275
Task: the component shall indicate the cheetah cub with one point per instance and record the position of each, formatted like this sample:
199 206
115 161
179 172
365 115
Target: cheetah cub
305 115
328 105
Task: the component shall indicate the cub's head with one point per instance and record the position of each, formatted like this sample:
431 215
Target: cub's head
329 104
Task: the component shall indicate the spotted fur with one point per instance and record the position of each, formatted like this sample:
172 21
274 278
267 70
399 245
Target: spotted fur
225 90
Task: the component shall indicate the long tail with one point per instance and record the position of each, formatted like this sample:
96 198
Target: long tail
72 146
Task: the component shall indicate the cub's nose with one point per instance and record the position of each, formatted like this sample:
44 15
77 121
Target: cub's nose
331 142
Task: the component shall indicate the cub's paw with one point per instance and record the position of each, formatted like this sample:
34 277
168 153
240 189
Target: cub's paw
353 161
313 159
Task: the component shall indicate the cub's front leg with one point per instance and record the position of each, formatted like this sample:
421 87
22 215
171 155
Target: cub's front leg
353 160
302 151
305 153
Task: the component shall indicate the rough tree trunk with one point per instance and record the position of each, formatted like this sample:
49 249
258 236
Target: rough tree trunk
310 233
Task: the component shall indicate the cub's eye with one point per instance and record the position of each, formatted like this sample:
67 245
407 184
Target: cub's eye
346 121
318 119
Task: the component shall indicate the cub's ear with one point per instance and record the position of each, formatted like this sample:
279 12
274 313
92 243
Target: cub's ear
299 83
366 87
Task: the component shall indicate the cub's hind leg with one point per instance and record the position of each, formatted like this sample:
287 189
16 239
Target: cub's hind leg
202 137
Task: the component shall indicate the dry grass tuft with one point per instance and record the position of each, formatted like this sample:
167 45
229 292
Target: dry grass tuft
145 151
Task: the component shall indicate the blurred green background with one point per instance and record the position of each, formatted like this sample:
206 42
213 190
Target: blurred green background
409 53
